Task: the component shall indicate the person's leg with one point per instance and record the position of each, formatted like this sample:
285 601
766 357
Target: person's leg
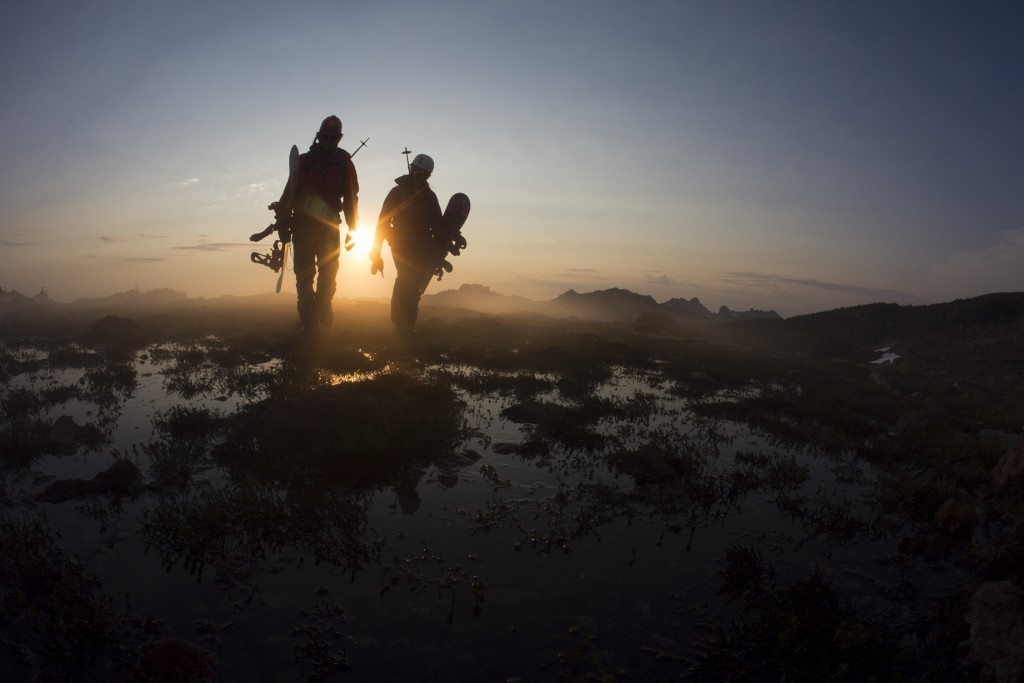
404 296
304 260
421 276
329 249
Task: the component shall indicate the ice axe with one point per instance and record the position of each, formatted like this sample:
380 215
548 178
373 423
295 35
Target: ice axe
362 143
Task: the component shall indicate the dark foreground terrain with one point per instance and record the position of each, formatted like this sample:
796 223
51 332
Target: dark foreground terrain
191 491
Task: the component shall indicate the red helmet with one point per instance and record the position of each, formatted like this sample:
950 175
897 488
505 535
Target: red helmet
330 126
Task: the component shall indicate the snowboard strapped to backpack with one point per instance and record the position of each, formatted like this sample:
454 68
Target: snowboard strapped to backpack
448 238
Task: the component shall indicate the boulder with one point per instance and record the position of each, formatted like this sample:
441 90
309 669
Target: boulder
955 520
996 621
1009 471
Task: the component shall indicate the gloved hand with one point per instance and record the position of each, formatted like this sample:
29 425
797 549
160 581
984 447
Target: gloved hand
350 239
376 263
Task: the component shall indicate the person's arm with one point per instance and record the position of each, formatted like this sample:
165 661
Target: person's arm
351 202
380 233
387 212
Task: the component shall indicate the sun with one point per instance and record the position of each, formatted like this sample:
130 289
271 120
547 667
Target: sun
363 240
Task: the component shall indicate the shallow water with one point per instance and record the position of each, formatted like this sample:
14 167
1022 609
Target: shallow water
536 567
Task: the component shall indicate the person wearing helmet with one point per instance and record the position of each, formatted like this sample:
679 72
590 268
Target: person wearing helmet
327 187
407 221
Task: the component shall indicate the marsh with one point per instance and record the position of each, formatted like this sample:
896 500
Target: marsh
505 498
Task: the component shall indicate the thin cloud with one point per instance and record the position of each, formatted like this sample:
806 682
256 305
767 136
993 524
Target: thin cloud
661 280
125 259
187 182
262 188
142 235
750 280
12 243
214 246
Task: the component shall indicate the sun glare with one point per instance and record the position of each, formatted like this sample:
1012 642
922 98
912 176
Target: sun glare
364 240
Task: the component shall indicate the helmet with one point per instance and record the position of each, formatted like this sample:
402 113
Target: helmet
330 126
423 163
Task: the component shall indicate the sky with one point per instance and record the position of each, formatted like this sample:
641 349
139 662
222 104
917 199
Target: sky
794 156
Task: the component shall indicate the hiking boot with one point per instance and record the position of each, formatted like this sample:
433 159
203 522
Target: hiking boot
325 317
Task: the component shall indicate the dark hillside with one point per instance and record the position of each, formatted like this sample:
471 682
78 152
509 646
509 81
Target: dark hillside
979 338
843 332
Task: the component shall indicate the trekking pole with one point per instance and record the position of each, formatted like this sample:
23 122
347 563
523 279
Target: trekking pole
408 168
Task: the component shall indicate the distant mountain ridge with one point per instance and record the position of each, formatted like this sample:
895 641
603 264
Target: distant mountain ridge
132 297
606 305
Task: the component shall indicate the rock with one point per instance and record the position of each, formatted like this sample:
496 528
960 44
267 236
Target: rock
505 447
1009 471
955 520
456 461
997 631
174 661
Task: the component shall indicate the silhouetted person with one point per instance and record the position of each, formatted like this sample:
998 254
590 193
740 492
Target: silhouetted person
408 219
327 186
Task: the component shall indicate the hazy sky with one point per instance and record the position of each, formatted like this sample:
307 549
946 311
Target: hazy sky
798 156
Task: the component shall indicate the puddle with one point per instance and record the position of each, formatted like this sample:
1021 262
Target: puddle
586 543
